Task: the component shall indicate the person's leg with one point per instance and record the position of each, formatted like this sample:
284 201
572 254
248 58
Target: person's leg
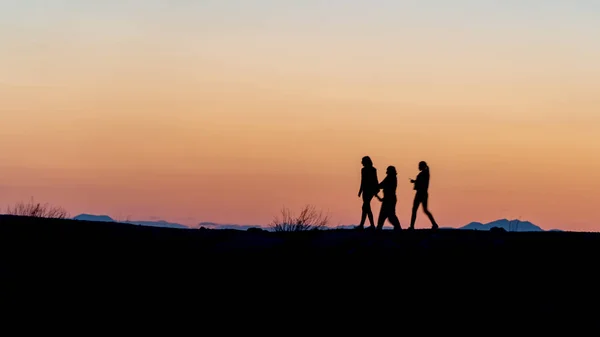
415 207
383 214
393 217
370 213
434 224
371 220
366 211
363 217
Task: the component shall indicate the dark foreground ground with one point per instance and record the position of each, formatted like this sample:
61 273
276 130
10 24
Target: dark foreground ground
346 276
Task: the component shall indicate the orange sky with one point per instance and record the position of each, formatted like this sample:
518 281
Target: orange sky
231 125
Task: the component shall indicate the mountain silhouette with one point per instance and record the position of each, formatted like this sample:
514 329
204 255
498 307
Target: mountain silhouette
213 225
160 223
508 225
106 218
91 217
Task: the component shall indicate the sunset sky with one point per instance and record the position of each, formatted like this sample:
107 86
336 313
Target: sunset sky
228 110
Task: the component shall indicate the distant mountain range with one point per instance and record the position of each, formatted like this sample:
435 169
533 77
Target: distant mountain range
162 223
508 225
106 218
212 225
98 218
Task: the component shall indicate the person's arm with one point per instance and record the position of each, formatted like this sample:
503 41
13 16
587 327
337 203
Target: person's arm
380 186
376 179
362 175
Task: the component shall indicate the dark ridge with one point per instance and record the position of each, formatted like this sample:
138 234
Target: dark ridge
340 271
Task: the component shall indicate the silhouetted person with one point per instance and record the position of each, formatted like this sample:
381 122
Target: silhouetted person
388 203
368 189
422 195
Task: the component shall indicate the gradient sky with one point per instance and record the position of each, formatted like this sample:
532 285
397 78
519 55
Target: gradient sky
227 110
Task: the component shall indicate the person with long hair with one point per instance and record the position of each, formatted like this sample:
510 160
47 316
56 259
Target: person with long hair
368 189
421 186
388 203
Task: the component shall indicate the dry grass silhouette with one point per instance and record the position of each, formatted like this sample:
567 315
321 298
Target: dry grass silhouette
37 210
308 219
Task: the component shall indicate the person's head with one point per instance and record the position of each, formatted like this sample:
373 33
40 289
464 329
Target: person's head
391 171
423 166
367 162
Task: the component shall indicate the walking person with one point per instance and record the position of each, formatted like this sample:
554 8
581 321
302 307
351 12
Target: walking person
422 195
388 203
368 189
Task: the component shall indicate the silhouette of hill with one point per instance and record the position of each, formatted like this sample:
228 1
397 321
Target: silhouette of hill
344 227
339 271
90 217
106 218
159 223
213 225
508 225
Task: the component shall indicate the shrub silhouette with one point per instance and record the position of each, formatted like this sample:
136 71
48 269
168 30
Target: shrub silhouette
37 210
308 219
